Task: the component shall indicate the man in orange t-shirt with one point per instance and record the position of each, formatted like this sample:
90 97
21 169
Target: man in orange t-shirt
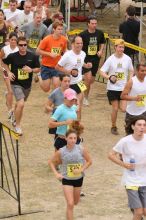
51 48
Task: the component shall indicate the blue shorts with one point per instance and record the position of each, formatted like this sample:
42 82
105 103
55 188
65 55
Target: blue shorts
48 72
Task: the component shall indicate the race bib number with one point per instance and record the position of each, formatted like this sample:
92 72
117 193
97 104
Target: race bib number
10 29
120 76
1 39
141 103
56 50
71 167
33 43
22 75
82 86
92 50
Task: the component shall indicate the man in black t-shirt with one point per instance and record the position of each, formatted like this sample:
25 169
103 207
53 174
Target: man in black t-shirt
130 30
23 65
93 45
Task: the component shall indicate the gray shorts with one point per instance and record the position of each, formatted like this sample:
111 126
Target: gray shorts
20 93
137 198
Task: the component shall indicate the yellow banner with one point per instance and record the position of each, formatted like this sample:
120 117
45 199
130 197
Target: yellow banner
13 133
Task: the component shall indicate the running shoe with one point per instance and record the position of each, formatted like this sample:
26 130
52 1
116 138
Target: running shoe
85 102
114 131
11 116
18 130
82 194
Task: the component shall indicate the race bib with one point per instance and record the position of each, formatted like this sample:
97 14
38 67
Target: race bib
141 103
92 50
33 43
82 86
135 188
56 50
6 5
120 76
10 29
1 39
71 167
22 75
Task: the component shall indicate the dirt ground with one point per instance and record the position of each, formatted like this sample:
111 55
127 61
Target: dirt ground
41 193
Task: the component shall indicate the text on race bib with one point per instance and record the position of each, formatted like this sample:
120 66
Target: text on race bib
120 75
6 5
56 50
33 43
71 167
22 75
92 50
141 103
82 86
1 39
10 29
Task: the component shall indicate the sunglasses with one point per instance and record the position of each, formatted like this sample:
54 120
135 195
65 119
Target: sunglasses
22 45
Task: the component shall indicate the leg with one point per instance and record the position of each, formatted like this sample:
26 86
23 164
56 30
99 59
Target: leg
91 5
69 196
19 111
115 106
87 81
45 84
138 213
9 95
55 82
80 100
77 191
123 105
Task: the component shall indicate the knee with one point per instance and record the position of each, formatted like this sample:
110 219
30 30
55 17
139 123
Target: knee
20 104
138 213
70 205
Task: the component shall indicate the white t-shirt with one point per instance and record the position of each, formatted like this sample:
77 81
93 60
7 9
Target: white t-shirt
119 67
12 16
7 50
128 146
70 60
23 18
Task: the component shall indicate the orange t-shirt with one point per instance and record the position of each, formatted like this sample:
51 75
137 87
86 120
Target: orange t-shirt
49 44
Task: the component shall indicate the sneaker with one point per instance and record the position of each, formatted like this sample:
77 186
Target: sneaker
82 194
114 131
18 130
36 77
85 102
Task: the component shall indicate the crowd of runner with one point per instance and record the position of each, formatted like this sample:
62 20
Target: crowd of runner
34 41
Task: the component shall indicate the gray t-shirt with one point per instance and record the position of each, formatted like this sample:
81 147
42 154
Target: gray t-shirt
34 34
71 159
56 97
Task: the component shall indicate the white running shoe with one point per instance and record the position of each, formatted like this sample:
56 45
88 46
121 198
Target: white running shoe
18 130
11 116
85 102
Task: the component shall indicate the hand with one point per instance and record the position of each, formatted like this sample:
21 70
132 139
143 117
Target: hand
129 166
99 53
113 79
74 72
77 171
53 55
138 98
69 122
88 65
11 76
59 176
27 69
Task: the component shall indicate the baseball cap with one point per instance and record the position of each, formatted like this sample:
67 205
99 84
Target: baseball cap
70 94
119 41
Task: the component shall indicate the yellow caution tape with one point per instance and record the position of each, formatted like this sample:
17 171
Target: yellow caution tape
106 35
13 133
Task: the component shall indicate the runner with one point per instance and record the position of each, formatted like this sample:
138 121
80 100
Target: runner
63 117
116 69
34 31
135 93
41 8
74 159
133 148
71 62
51 48
93 45
5 51
23 65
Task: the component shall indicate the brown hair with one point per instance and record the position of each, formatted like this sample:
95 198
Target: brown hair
71 131
21 38
56 24
77 126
